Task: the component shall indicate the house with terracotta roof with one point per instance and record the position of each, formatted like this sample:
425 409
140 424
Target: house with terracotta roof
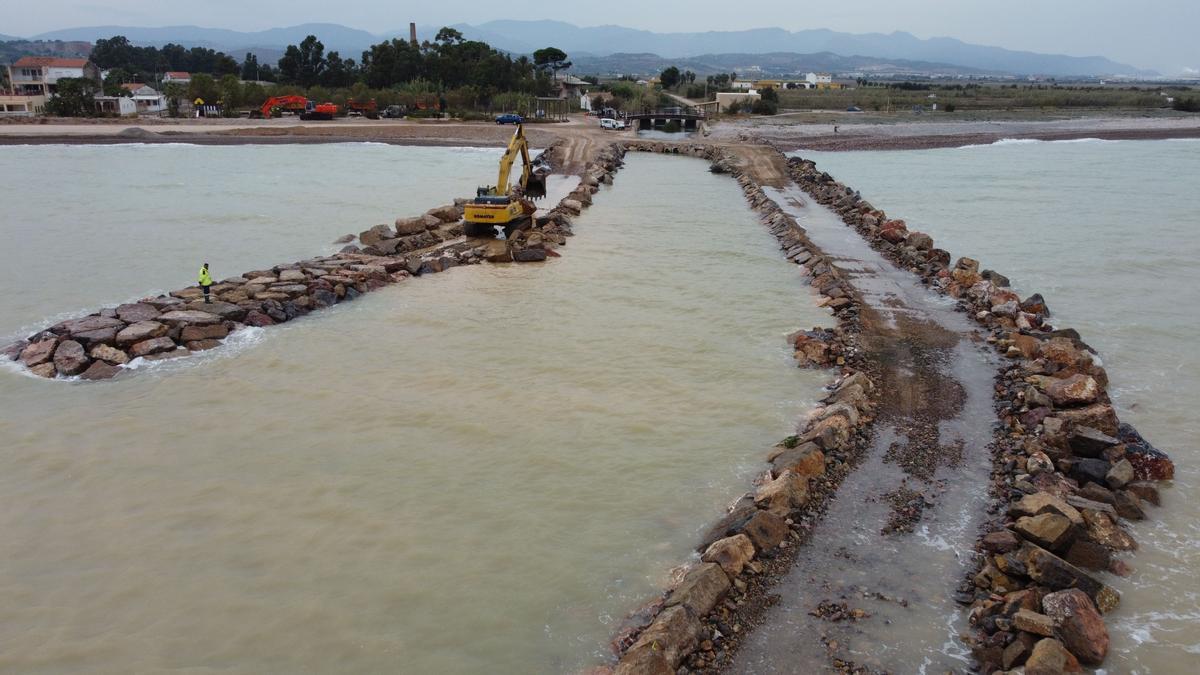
33 79
39 75
178 77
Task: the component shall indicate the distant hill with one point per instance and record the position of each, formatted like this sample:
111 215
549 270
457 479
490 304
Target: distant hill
13 49
523 37
763 65
350 42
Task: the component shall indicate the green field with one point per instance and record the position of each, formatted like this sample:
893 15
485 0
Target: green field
960 98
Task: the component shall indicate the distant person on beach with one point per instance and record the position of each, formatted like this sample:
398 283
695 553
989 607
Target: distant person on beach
205 283
835 128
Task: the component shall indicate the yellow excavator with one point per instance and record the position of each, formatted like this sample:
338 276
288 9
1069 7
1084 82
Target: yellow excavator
502 205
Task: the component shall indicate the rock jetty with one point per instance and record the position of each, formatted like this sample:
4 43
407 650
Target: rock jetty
1067 474
101 345
694 624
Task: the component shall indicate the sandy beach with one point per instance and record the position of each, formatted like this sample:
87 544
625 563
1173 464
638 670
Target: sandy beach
783 131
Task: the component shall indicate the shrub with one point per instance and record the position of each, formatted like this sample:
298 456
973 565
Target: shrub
950 107
1186 104
764 107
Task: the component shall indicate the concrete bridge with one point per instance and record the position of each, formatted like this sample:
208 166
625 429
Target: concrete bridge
687 116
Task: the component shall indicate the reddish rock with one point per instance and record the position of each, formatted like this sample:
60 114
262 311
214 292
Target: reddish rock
1098 416
100 370
1050 657
257 318
201 345
781 495
1048 530
1080 626
731 553
765 530
1057 574
1000 541
701 589
151 346
70 358
141 331
194 333
1033 622
87 324
46 370
1146 491
672 636
38 353
1103 529
1075 390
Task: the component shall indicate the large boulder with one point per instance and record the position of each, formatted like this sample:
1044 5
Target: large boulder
447 214
1098 416
226 310
1080 626
214 332
788 491
663 645
142 330
152 346
1049 657
189 317
701 589
1075 390
731 553
109 354
70 358
1048 530
765 530
376 234
1057 574
137 311
100 370
87 323
37 353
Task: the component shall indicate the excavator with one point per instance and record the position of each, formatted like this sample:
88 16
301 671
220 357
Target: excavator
299 105
502 205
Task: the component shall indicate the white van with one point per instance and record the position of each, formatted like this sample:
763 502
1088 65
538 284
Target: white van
608 123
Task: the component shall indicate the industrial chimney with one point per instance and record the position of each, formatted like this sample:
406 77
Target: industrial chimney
412 34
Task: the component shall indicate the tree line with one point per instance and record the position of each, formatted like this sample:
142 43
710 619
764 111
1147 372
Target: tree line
450 61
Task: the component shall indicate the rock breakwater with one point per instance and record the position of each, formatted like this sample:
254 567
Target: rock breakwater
696 623
104 344
1066 472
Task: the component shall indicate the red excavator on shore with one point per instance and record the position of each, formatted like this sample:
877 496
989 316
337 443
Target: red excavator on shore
299 105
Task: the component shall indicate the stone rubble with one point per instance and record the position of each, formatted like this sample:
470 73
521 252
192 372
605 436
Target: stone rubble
1066 474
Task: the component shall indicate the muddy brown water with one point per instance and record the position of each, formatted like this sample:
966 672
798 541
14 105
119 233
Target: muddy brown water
929 458
480 471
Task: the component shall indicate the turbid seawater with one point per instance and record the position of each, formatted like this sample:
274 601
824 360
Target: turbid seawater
479 471
1106 231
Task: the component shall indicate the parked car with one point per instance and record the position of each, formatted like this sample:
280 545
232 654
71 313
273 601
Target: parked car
393 112
854 108
609 123
509 118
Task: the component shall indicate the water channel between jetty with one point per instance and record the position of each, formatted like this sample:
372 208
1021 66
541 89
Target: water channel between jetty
926 473
479 471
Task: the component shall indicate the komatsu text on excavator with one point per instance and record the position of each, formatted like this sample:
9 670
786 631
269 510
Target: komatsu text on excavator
502 205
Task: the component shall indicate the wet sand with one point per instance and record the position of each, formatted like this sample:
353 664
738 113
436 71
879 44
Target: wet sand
784 131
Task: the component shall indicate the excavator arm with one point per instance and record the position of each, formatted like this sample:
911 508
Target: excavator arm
516 145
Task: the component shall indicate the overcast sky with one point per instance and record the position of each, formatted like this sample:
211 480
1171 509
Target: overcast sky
1160 34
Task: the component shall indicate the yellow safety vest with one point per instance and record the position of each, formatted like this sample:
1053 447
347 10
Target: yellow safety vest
205 279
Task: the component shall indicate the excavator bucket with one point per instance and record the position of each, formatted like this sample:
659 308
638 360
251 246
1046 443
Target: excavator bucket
536 187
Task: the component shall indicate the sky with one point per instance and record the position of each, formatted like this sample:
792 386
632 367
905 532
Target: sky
1159 34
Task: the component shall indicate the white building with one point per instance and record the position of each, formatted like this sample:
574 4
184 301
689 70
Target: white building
178 77
121 106
742 85
147 99
39 75
818 79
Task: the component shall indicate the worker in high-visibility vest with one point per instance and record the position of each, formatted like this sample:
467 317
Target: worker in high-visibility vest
205 283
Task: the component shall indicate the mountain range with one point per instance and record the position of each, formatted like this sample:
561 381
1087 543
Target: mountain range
604 42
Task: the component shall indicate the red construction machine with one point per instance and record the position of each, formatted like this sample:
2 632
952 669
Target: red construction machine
298 105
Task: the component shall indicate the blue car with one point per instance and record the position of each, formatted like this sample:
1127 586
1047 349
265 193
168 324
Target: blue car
509 118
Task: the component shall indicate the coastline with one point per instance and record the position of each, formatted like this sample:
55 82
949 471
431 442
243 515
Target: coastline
898 134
